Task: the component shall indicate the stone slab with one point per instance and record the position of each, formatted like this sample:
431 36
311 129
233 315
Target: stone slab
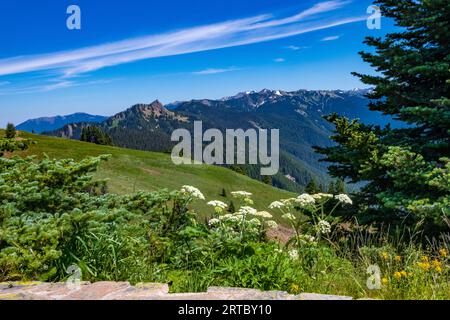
142 291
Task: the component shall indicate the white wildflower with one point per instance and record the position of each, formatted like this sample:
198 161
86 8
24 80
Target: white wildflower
343 198
230 218
255 222
293 254
213 222
322 196
219 206
289 216
288 202
306 238
241 194
276 205
264 214
253 230
279 251
305 200
324 227
272 224
247 211
235 219
193 192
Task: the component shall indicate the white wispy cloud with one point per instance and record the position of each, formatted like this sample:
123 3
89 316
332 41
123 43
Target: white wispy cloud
279 60
59 85
68 64
215 71
53 84
294 48
330 38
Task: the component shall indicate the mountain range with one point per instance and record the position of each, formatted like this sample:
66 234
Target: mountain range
297 114
52 123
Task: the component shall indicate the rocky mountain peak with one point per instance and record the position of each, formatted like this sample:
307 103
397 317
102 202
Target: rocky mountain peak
153 110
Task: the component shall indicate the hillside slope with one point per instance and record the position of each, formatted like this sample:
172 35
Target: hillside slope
131 170
298 115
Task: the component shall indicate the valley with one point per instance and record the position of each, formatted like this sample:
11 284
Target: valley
298 115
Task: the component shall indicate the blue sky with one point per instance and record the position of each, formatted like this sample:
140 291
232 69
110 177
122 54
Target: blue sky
136 51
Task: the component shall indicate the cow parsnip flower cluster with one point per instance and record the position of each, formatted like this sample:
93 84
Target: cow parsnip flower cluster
244 196
276 205
344 199
241 194
247 211
246 221
295 211
305 200
264 214
219 206
322 196
323 227
193 192
293 254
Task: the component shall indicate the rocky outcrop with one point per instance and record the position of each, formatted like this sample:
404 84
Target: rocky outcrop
143 291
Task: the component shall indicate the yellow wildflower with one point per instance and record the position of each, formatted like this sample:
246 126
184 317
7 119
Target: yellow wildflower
385 256
443 253
404 273
384 281
425 259
398 258
424 266
436 263
397 275
295 289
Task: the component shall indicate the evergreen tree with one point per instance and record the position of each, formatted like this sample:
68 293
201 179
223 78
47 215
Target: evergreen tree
405 170
10 132
9 144
312 188
238 169
267 180
339 187
231 207
331 188
95 135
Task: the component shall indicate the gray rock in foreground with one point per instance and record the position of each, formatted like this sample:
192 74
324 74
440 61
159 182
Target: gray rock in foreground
143 291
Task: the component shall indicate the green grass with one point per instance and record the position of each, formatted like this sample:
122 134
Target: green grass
130 170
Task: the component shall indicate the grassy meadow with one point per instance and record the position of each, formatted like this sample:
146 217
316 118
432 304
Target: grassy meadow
128 171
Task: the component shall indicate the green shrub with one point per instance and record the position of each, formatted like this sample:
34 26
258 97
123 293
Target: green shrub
52 216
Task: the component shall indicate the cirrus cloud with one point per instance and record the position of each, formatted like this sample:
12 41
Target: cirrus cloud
256 29
330 38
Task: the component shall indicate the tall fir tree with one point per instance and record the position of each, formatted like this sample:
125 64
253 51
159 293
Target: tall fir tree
231 207
405 170
267 180
312 187
95 135
339 187
10 132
